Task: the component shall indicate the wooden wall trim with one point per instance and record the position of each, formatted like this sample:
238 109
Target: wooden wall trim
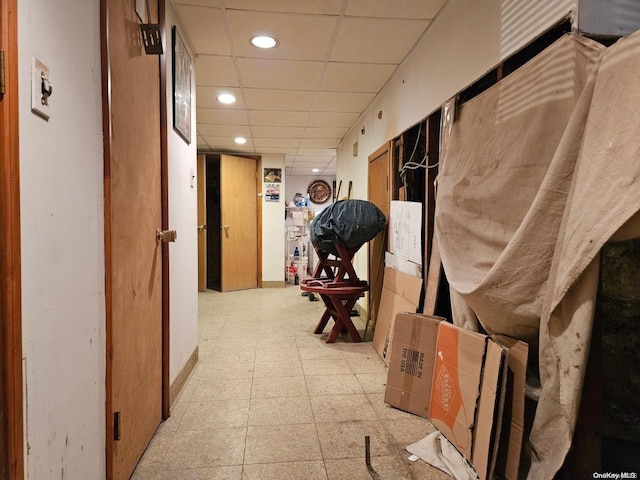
181 380
11 400
164 186
106 133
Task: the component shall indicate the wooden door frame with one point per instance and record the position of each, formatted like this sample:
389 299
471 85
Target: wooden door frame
386 147
11 402
259 219
106 126
164 186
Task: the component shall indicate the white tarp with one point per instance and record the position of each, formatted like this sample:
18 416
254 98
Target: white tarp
537 174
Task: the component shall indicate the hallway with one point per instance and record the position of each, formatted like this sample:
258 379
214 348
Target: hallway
270 400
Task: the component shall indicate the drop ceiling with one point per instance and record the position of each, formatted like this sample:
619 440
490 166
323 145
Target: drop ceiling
300 98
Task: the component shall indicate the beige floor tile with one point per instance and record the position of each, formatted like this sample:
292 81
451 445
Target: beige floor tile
280 368
266 387
213 473
318 352
280 411
278 354
408 430
389 467
333 384
222 389
210 448
347 440
282 443
325 366
373 382
342 408
385 411
285 471
215 414
261 370
221 371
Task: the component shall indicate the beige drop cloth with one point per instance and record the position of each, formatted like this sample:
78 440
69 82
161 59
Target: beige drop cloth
538 173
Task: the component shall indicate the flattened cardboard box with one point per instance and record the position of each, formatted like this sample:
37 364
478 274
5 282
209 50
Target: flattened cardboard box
472 380
411 363
400 293
455 389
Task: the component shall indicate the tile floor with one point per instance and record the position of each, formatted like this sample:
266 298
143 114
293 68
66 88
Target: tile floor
269 399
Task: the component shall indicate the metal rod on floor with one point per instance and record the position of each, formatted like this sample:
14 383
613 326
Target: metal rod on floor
367 458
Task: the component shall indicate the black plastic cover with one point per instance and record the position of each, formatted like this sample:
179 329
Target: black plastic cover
348 222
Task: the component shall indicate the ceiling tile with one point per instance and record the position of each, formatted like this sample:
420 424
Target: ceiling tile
300 37
216 142
280 74
215 70
324 7
221 116
327 152
332 119
286 151
310 159
277 132
319 143
343 102
208 97
278 119
332 132
206 31
376 40
356 77
287 100
261 143
396 9
227 131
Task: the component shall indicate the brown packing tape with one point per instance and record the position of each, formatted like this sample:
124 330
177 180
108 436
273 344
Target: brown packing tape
407 384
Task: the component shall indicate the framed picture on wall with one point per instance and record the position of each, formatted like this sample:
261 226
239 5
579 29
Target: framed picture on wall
181 86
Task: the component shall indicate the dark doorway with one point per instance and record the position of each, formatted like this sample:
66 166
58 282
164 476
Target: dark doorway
213 222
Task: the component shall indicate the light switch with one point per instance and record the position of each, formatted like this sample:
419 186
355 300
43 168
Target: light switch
41 89
192 177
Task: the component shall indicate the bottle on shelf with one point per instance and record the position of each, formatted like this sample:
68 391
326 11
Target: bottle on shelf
296 253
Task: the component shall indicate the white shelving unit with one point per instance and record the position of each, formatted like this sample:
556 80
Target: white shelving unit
297 244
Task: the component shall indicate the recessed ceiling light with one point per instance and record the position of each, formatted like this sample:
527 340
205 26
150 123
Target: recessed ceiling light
240 140
264 41
315 170
226 98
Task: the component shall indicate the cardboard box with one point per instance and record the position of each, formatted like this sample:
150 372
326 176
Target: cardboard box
403 265
455 389
469 385
472 380
400 293
411 363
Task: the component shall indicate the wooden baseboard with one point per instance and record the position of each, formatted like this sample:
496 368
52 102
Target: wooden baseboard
276 284
181 380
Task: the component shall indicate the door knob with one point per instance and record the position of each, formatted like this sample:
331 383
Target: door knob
166 235
202 227
226 228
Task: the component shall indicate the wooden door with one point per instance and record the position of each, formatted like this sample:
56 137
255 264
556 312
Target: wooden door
239 230
379 168
133 214
11 404
202 224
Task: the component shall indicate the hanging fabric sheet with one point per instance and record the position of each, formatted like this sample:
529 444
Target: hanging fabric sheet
540 171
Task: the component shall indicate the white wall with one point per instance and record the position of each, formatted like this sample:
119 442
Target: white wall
61 182
273 236
300 184
183 254
467 39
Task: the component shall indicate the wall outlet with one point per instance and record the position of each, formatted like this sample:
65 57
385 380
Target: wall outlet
41 89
